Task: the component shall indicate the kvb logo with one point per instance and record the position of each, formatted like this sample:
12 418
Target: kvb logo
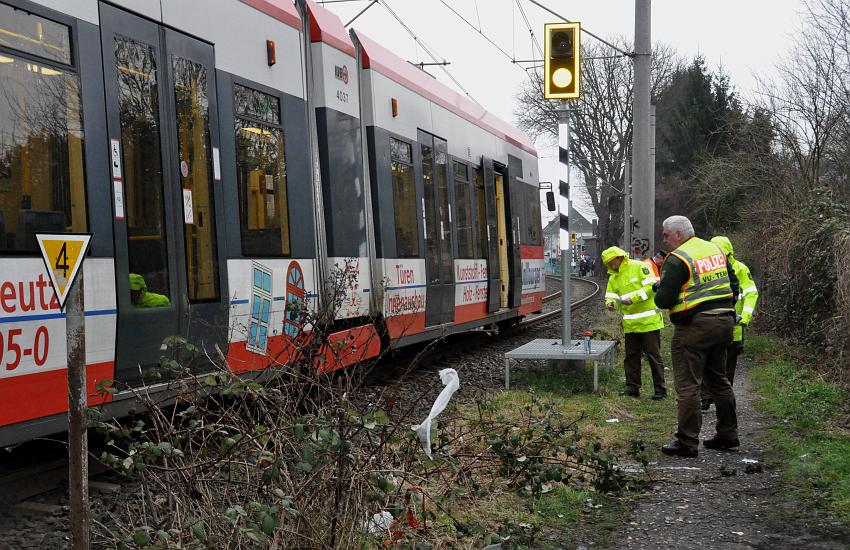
341 73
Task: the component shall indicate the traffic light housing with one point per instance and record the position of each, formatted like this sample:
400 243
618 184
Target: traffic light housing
562 61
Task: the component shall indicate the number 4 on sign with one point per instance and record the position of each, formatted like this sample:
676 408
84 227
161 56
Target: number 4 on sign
63 254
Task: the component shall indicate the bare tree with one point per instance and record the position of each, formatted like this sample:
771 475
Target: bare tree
600 123
809 99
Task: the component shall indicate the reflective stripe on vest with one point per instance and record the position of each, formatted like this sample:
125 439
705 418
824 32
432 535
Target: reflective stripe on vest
639 292
641 315
709 274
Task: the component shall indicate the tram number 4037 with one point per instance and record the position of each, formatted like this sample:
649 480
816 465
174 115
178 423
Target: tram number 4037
11 351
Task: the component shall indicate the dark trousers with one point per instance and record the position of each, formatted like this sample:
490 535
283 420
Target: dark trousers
732 352
650 344
699 353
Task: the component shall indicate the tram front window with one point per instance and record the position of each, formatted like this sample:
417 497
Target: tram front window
140 144
42 179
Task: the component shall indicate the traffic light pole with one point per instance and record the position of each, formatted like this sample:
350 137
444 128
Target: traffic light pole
566 247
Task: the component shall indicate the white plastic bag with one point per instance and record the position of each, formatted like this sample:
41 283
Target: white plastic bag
423 431
379 522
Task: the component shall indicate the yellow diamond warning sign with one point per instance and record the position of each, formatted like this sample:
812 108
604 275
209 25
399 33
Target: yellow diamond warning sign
63 254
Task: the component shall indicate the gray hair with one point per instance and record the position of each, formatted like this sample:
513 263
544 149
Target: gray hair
680 223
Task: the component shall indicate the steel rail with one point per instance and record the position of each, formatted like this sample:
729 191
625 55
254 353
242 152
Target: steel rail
555 295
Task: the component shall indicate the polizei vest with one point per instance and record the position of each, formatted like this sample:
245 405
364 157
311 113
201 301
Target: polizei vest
709 276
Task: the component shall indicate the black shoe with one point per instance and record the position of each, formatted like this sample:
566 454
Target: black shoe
659 395
720 443
675 448
706 404
628 393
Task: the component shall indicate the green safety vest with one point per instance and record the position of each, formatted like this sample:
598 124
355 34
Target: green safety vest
634 280
709 276
746 300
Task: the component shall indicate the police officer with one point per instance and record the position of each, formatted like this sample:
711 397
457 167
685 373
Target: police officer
630 291
698 286
141 297
655 262
745 305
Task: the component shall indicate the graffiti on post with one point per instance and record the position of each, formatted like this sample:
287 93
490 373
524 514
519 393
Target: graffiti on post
640 247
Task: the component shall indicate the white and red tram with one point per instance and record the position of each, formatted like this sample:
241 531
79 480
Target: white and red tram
229 156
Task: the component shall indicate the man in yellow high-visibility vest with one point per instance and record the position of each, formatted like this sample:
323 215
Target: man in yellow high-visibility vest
745 305
630 292
698 286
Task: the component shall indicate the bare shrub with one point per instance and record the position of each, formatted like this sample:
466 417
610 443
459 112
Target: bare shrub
294 458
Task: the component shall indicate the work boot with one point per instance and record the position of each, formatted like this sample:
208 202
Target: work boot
630 393
676 448
659 395
706 404
720 443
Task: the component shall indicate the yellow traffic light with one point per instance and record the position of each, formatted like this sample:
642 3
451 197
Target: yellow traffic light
562 61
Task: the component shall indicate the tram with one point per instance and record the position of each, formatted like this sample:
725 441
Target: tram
229 158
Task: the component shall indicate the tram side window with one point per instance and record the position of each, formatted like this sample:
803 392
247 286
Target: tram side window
463 207
404 199
481 250
535 220
138 102
530 200
261 174
42 177
193 140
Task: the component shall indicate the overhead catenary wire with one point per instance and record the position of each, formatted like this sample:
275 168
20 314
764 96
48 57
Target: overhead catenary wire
427 50
513 29
534 43
584 29
478 30
361 12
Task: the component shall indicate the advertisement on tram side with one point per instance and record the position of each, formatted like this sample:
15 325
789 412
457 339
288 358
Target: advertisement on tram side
470 290
33 355
353 277
404 295
533 279
269 300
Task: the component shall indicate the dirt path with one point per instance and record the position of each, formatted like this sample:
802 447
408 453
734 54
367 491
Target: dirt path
702 503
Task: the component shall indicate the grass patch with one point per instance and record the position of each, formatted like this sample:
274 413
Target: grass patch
812 452
568 515
651 422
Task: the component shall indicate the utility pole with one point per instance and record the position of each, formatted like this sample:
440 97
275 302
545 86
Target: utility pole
642 227
627 208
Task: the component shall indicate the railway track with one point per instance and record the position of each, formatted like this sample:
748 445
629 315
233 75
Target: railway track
542 317
414 362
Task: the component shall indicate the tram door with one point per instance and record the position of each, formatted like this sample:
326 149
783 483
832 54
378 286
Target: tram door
502 231
163 130
439 261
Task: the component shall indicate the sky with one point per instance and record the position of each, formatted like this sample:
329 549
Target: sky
747 38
